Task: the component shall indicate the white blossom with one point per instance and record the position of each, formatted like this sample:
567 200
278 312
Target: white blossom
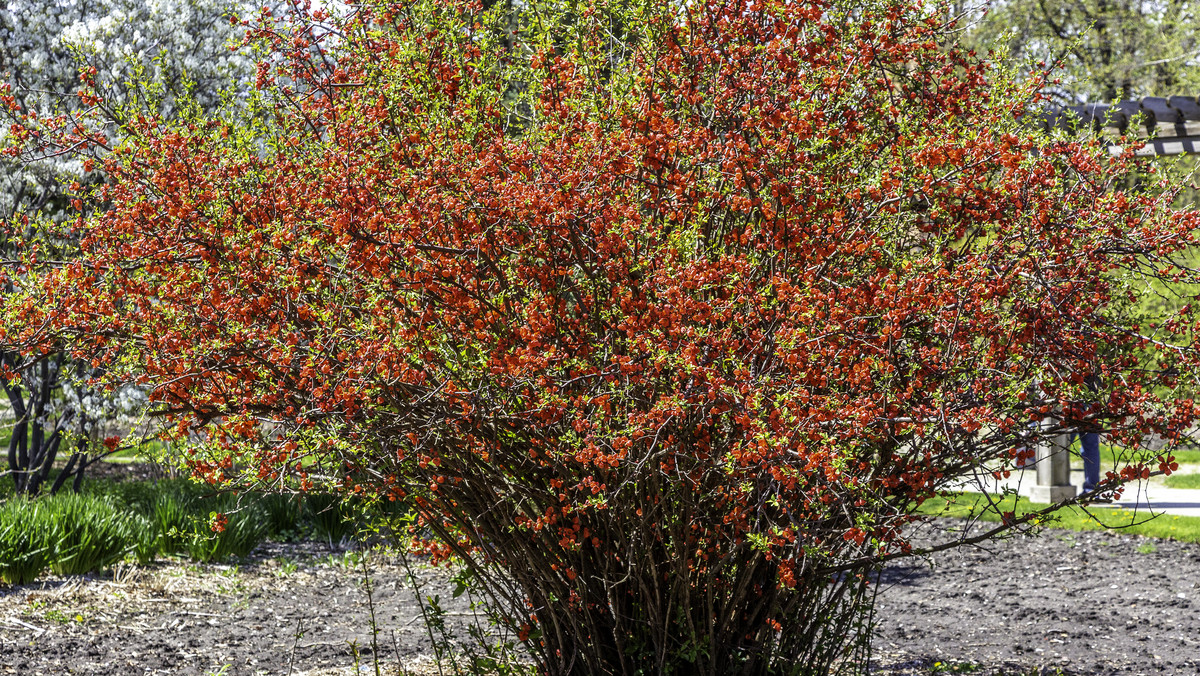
175 48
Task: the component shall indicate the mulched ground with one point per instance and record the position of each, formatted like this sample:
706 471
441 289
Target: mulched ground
292 609
1093 603
1085 603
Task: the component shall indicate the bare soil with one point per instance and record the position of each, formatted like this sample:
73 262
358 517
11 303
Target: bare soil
1095 603
1070 603
291 609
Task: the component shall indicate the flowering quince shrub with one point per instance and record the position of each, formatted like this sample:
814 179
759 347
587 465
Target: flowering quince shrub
664 316
61 60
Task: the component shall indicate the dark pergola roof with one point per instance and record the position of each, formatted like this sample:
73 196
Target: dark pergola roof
1170 126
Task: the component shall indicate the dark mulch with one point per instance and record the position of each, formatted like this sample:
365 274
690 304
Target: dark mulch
1093 603
296 608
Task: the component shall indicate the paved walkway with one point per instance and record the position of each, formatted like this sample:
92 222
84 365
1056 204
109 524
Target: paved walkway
1145 495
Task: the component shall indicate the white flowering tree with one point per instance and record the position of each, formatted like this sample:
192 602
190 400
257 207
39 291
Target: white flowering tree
149 58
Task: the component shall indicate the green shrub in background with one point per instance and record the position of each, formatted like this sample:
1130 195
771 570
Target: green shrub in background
143 495
24 551
139 496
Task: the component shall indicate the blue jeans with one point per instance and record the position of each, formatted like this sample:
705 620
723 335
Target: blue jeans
1089 450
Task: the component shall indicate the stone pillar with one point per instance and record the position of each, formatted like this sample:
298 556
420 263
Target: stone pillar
1053 470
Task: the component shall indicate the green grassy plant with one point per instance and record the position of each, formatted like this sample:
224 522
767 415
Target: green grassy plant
24 552
284 513
89 533
68 533
1132 522
174 518
109 520
331 518
244 530
182 514
146 543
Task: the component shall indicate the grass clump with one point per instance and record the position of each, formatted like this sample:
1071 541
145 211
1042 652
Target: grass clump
69 534
284 513
89 533
241 532
331 518
24 551
174 516
111 520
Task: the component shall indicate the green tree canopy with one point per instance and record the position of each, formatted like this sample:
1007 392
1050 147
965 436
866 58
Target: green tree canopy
1109 49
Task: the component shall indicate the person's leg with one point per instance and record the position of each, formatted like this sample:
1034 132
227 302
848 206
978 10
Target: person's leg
1089 450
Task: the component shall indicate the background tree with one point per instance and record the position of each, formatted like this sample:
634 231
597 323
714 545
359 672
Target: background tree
1108 49
145 57
665 317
